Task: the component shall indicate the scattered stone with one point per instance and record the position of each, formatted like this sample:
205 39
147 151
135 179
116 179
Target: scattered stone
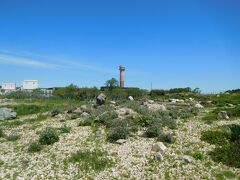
112 102
7 114
176 100
34 116
101 99
84 107
85 114
199 106
159 146
223 115
78 111
150 101
191 99
45 113
154 106
187 159
121 141
158 156
130 98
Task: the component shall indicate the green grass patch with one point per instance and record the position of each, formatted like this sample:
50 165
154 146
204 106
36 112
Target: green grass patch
96 160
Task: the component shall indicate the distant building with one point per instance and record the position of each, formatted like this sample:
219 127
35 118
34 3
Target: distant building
8 87
30 84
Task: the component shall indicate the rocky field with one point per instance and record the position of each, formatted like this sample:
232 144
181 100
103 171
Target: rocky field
112 140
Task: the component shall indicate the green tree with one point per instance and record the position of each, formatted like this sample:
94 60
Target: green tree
112 83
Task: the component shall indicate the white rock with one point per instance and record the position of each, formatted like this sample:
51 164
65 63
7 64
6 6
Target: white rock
187 159
121 141
159 146
85 114
130 98
223 115
150 101
158 156
199 106
112 102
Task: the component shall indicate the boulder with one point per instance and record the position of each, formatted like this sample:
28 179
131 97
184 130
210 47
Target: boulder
150 101
121 141
101 99
158 156
130 98
159 146
223 115
187 159
7 114
199 106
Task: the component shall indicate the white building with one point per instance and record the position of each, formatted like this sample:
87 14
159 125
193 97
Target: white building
8 87
30 84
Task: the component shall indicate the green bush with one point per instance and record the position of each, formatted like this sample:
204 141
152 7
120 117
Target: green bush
171 123
13 137
215 137
120 132
55 112
1 133
198 155
86 122
65 129
96 160
24 109
107 117
168 138
154 130
235 132
48 136
228 154
157 92
34 147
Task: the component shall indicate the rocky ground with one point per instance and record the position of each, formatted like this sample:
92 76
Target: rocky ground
133 159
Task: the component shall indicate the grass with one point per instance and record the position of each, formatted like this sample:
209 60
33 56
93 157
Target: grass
65 129
48 136
34 147
96 160
198 155
227 141
13 137
225 175
116 133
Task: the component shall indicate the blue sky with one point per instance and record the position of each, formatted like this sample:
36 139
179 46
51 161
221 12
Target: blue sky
169 43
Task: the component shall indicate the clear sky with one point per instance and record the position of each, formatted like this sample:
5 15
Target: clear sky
171 43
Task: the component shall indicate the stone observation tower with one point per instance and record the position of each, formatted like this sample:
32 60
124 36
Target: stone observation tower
122 69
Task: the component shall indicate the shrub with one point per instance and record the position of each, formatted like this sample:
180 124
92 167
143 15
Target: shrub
235 132
168 138
48 136
1 133
198 155
86 122
24 109
96 160
157 92
107 117
34 147
120 132
153 130
215 137
13 137
55 112
171 123
228 154
65 129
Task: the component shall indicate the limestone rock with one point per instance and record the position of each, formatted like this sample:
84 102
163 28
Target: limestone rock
223 115
101 99
7 114
159 146
187 159
121 141
158 156
199 106
130 98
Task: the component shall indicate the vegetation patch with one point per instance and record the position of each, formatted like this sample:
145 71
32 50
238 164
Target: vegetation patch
48 136
13 137
96 160
227 141
34 147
